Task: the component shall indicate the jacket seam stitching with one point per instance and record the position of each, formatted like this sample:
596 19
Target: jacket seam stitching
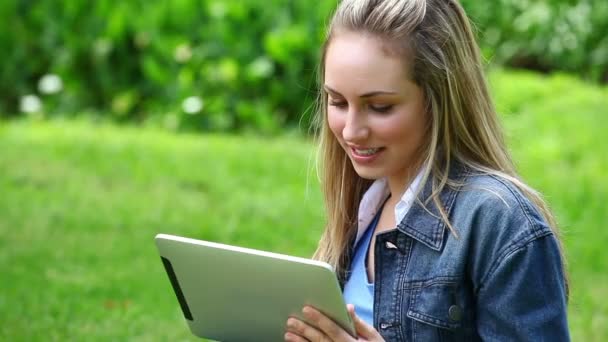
428 319
409 243
524 208
512 249
377 289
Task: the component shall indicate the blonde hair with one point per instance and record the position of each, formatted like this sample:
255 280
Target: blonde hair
436 38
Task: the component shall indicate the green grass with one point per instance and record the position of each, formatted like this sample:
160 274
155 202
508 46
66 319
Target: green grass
80 204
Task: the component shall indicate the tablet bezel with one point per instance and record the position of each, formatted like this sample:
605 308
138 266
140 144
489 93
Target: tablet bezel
231 293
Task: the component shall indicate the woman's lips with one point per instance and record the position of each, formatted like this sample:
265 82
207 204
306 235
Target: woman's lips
365 155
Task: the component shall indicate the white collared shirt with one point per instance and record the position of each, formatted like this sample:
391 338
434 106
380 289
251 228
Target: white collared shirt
374 198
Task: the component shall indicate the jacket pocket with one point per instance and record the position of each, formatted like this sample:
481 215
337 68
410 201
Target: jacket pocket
438 311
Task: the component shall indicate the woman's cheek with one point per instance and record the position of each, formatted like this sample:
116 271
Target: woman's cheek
335 122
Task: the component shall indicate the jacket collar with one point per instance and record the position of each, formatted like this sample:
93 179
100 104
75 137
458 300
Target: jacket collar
423 222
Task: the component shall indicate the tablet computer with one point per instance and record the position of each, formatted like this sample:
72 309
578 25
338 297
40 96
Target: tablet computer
230 293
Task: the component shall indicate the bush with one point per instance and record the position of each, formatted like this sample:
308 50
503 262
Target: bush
217 65
545 35
206 64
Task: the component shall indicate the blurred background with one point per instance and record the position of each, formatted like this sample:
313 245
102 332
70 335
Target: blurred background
123 119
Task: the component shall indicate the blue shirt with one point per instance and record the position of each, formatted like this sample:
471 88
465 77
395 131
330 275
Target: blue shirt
358 290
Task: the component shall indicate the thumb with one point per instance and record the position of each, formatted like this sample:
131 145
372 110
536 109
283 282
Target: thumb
361 327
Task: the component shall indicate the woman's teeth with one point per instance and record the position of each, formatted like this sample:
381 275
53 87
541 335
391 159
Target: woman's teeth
367 152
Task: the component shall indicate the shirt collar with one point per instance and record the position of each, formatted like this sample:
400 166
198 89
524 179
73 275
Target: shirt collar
421 222
376 195
370 204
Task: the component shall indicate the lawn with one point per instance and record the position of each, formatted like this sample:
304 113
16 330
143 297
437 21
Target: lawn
81 202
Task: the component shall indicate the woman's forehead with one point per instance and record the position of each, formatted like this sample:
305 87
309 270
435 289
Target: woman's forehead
362 60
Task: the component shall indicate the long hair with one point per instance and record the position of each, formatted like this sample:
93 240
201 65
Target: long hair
436 38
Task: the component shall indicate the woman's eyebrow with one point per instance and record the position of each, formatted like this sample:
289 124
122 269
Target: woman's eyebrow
369 94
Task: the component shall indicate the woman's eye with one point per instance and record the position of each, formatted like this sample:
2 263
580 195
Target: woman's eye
339 104
381 108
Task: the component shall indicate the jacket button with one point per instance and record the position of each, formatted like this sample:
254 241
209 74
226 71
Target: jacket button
390 245
385 325
455 313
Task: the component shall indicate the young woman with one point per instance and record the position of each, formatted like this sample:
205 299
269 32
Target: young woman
431 231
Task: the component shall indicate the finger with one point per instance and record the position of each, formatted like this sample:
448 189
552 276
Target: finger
362 328
291 337
326 324
304 330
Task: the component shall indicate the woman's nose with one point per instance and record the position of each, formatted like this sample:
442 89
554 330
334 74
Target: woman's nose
355 128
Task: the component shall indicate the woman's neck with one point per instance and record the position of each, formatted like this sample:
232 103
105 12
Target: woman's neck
399 184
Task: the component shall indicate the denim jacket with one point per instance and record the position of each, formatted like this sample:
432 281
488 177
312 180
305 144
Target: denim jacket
500 279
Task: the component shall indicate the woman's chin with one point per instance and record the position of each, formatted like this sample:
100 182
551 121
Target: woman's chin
367 172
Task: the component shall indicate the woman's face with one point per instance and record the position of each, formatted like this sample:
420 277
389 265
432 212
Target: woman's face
374 110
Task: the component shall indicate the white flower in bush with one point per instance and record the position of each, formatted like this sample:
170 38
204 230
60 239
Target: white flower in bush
261 67
50 84
30 104
182 53
192 105
102 47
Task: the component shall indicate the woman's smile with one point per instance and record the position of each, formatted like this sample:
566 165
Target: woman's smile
363 155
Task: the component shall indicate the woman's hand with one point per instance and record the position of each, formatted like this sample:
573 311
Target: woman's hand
325 329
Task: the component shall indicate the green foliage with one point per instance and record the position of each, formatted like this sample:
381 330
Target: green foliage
217 65
545 35
249 64
81 203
